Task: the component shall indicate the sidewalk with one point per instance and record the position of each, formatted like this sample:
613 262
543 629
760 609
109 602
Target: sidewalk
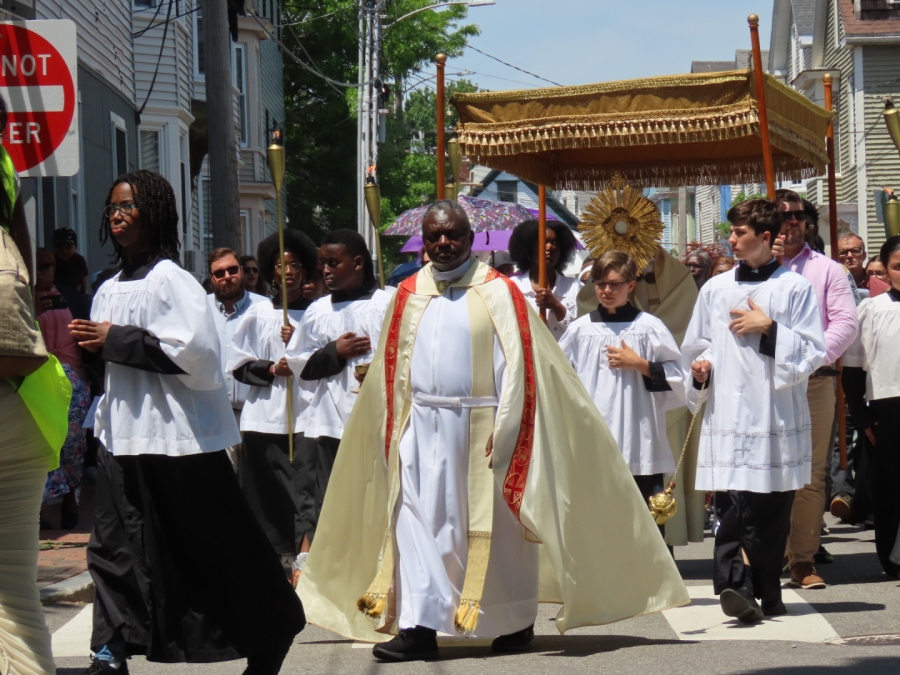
62 560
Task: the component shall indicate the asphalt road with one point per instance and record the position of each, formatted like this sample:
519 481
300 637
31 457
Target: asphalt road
853 626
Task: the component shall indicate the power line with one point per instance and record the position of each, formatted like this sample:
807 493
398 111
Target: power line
316 18
157 25
162 48
521 70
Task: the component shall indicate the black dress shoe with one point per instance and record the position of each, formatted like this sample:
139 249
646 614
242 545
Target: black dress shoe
823 557
514 642
413 644
773 608
737 602
269 659
99 667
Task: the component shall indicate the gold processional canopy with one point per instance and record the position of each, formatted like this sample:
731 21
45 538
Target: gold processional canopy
699 129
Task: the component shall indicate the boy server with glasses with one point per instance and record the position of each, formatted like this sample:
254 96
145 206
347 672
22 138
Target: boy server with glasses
631 366
837 308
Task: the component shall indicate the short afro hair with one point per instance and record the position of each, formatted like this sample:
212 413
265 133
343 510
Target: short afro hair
294 242
356 246
524 238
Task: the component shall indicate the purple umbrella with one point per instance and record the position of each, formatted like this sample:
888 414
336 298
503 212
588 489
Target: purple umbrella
484 241
484 214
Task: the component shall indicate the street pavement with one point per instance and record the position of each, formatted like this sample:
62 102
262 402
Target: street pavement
853 626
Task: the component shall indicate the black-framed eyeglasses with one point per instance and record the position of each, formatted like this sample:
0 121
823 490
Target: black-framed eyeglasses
612 285
126 209
230 271
251 270
787 216
844 252
43 267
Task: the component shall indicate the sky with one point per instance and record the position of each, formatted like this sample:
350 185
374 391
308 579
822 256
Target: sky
583 41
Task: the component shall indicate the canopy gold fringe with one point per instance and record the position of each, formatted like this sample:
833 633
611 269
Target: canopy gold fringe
557 137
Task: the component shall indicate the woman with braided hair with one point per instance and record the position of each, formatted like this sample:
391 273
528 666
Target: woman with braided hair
166 492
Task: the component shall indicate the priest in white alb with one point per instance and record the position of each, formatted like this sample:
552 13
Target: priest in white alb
476 478
754 339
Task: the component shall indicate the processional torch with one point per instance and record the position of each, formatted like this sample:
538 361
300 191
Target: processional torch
373 206
275 156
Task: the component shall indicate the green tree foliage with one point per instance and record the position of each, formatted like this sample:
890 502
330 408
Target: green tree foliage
320 124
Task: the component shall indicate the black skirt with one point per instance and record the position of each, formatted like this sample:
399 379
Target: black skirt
286 497
182 570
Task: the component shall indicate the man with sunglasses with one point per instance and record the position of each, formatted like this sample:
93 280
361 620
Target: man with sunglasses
852 254
837 308
229 302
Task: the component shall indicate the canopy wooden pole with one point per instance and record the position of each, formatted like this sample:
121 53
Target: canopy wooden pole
440 60
542 242
759 77
840 407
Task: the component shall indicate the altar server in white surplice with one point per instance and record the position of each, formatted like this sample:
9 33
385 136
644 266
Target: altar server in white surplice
631 366
755 337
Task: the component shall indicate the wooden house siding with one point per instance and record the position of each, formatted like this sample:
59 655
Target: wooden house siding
881 67
104 37
841 58
174 79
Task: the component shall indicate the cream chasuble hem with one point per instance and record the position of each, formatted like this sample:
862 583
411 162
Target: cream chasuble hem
575 486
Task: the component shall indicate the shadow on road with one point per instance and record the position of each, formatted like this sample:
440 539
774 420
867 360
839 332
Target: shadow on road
870 665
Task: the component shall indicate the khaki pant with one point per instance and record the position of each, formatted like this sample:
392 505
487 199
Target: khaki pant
809 503
24 638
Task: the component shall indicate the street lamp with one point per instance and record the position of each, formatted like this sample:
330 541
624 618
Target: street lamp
470 3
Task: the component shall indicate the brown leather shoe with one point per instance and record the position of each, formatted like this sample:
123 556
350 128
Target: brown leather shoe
804 575
840 507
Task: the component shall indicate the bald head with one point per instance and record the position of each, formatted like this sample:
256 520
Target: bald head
447 235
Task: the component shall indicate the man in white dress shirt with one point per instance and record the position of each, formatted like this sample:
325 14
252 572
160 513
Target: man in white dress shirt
229 301
755 338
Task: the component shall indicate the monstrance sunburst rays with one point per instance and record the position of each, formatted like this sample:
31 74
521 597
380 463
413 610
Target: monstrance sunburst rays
621 218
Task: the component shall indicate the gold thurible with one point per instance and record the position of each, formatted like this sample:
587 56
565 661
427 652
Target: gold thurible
275 156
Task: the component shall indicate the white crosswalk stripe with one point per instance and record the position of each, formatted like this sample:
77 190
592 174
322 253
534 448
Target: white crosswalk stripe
74 638
703 620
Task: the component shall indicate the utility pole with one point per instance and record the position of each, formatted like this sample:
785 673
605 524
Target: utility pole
370 31
223 180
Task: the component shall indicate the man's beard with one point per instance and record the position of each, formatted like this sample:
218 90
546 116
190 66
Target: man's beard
229 294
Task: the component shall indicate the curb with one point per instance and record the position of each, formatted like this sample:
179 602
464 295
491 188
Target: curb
79 588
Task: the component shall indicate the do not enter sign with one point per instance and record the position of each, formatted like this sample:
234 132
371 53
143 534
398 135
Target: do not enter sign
38 82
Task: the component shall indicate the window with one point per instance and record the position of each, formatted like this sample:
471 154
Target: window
199 44
119 145
508 190
145 3
240 83
150 150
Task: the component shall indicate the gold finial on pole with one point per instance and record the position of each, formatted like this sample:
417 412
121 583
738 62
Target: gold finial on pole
275 156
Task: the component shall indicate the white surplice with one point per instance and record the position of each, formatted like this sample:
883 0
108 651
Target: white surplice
879 322
432 516
324 322
565 290
635 416
146 413
258 337
756 426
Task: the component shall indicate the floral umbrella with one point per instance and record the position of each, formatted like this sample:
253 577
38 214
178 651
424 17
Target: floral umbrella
484 214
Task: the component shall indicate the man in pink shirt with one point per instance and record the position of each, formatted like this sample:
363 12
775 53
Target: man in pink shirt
838 309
